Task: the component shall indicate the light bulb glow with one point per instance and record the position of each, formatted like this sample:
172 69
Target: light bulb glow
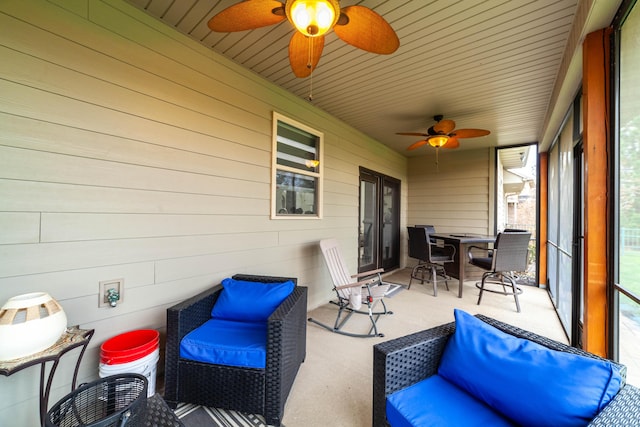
438 141
312 17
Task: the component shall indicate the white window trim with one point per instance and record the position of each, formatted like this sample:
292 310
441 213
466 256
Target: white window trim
275 167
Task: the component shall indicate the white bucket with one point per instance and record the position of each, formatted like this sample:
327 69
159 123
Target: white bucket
146 366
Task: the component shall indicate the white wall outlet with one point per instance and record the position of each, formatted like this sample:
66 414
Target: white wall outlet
115 288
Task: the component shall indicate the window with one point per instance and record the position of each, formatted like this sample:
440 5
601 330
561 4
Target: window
296 184
626 292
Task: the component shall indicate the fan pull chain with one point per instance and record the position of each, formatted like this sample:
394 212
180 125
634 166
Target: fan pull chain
437 162
310 66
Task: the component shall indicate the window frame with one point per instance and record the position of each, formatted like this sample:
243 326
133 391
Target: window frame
276 168
616 288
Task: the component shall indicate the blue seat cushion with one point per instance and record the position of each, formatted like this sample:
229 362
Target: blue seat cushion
525 381
250 301
227 342
436 402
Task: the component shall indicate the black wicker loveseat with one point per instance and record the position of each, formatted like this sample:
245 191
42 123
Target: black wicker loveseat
250 390
408 360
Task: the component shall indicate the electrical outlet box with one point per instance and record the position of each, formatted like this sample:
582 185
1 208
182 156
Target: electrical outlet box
103 291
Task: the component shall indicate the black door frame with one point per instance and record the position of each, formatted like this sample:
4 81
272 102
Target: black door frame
578 245
384 220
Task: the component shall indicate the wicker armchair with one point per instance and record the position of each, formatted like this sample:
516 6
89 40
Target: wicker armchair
250 390
407 360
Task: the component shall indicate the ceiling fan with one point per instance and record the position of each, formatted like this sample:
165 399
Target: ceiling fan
358 26
444 134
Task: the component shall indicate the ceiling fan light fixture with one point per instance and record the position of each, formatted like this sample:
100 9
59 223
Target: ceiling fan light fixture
313 18
438 140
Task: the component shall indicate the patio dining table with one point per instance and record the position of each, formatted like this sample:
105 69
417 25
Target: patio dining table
461 241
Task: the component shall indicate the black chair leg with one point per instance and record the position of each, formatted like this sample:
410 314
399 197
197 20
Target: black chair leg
484 277
414 273
512 284
515 292
445 276
434 279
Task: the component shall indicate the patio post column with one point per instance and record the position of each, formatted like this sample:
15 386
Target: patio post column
595 89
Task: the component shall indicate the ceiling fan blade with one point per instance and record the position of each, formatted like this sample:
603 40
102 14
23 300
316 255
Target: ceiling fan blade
444 126
470 133
452 142
412 133
417 144
304 53
247 15
366 30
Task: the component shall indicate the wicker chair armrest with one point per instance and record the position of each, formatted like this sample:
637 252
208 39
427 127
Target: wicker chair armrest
182 318
404 361
623 410
287 327
286 349
187 315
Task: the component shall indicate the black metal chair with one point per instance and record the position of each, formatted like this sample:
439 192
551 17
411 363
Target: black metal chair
508 256
429 228
431 256
250 390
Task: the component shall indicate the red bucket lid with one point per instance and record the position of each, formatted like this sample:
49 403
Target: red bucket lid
129 346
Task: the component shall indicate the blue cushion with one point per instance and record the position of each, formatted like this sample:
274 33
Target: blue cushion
436 402
527 382
227 342
250 301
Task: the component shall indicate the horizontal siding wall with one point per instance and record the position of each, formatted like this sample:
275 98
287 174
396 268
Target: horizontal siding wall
455 195
128 151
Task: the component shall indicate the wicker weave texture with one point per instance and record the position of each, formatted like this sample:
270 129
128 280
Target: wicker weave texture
404 361
255 391
624 410
511 250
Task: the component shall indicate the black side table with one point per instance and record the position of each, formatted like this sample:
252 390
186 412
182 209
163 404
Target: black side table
72 338
159 414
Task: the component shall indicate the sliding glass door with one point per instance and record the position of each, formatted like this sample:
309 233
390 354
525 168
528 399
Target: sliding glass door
560 243
379 224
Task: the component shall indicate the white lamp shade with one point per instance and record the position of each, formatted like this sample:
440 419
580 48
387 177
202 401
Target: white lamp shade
30 323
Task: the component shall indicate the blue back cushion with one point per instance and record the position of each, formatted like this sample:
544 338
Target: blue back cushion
525 381
245 301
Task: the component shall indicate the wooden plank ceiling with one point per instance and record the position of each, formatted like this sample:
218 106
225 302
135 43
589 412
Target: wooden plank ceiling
488 64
